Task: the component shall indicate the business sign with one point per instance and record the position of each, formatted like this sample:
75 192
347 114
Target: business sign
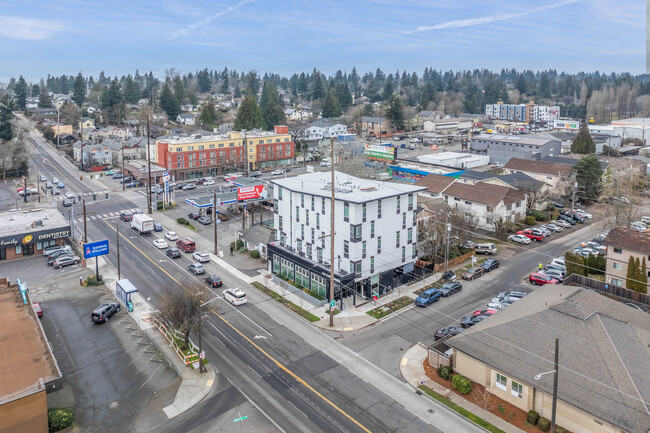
591 119
380 152
38 236
165 177
251 192
94 249
562 124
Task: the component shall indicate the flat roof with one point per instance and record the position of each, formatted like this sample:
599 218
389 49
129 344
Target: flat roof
25 355
521 139
347 187
636 121
20 222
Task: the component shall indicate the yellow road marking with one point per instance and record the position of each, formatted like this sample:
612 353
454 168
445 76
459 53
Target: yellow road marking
252 343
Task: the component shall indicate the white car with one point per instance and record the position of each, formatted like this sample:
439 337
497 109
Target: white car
209 182
172 236
201 257
55 180
277 172
70 194
524 240
414 140
585 213
554 227
235 296
160 243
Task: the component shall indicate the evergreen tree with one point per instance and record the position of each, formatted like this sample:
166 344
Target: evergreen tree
179 89
303 84
79 90
631 275
20 90
643 277
264 99
249 115
113 103
36 90
544 87
589 176
521 84
44 100
343 95
7 107
168 102
225 86
209 117
131 91
372 92
583 143
318 90
331 106
237 93
388 90
252 84
574 264
203 81
273 114
395 113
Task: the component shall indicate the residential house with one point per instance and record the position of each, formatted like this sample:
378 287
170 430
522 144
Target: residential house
132 148
92 110
114 132
58 102
603 385
623 243
376 126
87 122
94 154
375 225
570 161
188 107
324 129
500 148
186 119
557 177
293 114
481 203
257 238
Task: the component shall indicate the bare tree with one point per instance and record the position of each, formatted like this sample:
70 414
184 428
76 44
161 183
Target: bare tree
180 307
431 238
535 197
485 401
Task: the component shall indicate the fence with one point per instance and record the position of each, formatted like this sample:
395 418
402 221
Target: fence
453 262
610 289
172 335
438 355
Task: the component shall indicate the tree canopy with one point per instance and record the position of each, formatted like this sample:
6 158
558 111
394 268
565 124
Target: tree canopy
168 101
79 90
249 115
589 176
583 143
331 106
20 90
395 113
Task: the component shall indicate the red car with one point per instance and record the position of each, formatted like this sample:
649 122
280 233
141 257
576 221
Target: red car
537 278
486 312
37 309
532 235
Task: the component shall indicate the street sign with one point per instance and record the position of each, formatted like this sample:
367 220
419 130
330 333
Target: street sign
241 418
332 303
166 176
202 355
94 249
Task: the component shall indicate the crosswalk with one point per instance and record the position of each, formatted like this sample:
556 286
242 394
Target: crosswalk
99 217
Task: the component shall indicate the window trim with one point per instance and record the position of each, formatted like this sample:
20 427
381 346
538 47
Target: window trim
502 386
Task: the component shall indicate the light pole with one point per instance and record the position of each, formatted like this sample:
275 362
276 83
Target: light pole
201 367
555 375
58 124
248 169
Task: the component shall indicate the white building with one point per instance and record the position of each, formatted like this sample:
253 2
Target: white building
186 119
455 159
324 129
543 113
375 226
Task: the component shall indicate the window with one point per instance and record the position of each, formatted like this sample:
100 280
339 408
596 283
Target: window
616 265
617 282
489 220
280 193
415 217
297 214
319 255
322 206
372 264
313 237
309 251
346 249
404 220
355 267
549 177
397 239
516 389
299 246
403 254
468 203
618 250
302 231
379 209
410 236
346 211
378 244
398 204
280 223
410 201
363 218
518 204
363 249
489 208
307 216
502 382
413 251
312 202
372 229
302 200
318 221
355 232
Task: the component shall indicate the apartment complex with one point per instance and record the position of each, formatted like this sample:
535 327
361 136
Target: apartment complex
375 233
623 243
528 113
500 148
205 153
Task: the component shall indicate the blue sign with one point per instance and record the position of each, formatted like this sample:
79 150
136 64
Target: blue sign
94 249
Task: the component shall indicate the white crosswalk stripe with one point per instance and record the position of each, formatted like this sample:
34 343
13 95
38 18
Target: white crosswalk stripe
93 217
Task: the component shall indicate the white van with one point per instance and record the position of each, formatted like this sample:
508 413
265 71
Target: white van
486 249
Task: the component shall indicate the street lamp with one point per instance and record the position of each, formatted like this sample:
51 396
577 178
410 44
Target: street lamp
555 374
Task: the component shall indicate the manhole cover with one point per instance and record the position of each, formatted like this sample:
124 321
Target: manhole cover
113 405
431 411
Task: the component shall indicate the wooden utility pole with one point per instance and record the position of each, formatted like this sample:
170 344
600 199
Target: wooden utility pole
149 168
216 220
83 202
123 184
119 274
554 407
332 241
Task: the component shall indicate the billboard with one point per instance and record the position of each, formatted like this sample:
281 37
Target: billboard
94 249
251 192
573 125
386 153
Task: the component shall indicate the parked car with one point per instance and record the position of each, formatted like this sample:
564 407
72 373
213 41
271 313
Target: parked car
629 304
533 235
206 221
554 227
561 223
51 249
56 192
554 274
546 232
201 257
65 260
512 294
126 216
70 194
118 176
473 273
278 172
448 331
594 246
450 288
172 236
209 182
37 309
449 276
485 312
414 140
490 264
585 214
214 281
196 268
486 249
468 244
104 312
256 173
427 297
60 185
174 253
235 296
160 243
56 254
180 185
556 267
559 260
42 178
468 321
558 205
566 218
194 215
537 278
189 186
48 185
524 240
600 238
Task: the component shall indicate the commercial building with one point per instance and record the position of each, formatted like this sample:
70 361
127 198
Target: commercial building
600 140
625 128
455 159
375 226
205 153
375 126
528 113
26 233
603 382
28 368
623 243
500 148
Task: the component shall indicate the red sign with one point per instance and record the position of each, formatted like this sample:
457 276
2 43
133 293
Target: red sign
250 192
434 147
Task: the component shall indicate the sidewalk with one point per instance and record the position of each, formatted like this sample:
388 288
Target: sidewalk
413 372
194 385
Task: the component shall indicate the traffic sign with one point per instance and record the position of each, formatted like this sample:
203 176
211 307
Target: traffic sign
332 303
202 355
94 249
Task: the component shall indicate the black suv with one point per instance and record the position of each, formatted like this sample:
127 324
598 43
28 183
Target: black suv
126 216
450 288
102 313
490 264
214 281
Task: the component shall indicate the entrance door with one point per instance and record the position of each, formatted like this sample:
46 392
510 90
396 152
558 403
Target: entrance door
28 249
3 254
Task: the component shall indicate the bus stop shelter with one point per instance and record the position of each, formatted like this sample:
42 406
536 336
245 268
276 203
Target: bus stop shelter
123 290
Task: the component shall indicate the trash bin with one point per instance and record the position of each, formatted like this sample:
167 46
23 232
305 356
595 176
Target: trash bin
129 306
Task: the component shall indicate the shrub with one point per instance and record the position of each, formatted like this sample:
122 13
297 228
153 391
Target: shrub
530 220
92 281
532 417
544 424
60 418
445 372
462 384
255 254
559 429
239 244
182 221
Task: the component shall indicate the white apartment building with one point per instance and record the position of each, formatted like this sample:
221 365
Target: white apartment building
324 129
375 233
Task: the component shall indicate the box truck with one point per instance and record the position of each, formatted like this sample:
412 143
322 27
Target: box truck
142 223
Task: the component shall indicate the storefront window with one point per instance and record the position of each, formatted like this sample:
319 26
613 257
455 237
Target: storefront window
19 249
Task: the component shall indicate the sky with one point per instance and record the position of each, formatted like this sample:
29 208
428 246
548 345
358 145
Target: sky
281 36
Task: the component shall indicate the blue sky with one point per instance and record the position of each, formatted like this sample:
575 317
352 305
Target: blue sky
118 37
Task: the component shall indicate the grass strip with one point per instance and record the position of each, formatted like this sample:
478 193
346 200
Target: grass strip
461 410
390 307
290 305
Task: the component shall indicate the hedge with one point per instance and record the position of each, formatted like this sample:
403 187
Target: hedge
182 221
445 372
60 418
532 417
530 220
544 424
559 429
255 254
462 384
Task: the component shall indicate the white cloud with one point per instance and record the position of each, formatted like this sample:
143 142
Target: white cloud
485 20
207 20
28 28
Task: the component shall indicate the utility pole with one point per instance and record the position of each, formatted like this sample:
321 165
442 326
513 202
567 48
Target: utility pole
119 274
149 167
38 185
447 244
554 407
573 199
81 132
248 168
332 240
85 222
123 184
216 220
243 218
58 123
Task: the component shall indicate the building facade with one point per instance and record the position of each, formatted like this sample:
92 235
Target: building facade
528 113
210 154
623 243
375 226
324 129
557 177
500 148
375 126
94 154
28 233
